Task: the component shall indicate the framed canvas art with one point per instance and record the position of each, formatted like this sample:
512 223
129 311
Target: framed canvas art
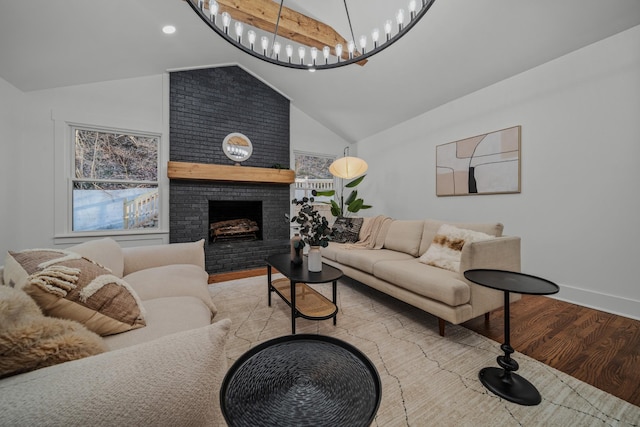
483 164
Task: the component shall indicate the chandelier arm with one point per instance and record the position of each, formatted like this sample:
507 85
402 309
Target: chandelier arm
275 32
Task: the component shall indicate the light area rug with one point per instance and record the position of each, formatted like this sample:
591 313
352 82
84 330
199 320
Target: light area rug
427 380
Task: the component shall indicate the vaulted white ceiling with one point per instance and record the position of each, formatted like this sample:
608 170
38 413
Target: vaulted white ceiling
459 47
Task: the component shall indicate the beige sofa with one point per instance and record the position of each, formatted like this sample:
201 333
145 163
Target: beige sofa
165 373
388 259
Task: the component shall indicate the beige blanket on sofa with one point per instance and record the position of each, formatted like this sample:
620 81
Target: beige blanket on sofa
372 233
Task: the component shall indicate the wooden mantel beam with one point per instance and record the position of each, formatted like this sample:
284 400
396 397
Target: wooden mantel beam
294 26
228 173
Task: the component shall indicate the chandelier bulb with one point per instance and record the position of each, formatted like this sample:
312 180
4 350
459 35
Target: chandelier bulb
301 53
213 10
264 42
363 44
239 29
351 47
314 54
326 51
400 19
339 51
276 49
387 28
226 20
289 49
412 8
375 35
251 35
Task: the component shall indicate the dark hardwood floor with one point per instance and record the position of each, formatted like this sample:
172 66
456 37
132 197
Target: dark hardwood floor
598 348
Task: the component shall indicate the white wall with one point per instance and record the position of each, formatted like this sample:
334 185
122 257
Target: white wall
11 109
310 136
27 151
579 207
131 103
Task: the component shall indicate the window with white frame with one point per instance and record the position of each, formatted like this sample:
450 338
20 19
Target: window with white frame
115 180
312 173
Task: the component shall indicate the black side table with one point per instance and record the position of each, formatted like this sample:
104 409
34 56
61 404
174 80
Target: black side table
503 381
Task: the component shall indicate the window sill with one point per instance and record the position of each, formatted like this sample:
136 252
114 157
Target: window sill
120 236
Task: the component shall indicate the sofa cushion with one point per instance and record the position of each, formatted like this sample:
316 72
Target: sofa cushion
106 252
144 257
170 281
164 316
431 227
69 286
29 340
366 259
446 249
431 282
173 380
404 236
346 230
331 251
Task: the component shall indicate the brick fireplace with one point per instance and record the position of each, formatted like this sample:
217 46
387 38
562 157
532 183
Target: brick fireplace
205 106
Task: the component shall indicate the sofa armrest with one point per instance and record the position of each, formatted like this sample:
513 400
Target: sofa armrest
143 257
173 380
501 253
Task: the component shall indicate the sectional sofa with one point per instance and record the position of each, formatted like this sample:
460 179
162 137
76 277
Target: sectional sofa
413 261
163 365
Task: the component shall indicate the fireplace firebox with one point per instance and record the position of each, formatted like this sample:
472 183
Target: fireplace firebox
233 220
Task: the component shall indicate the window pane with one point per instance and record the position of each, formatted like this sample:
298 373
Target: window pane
110 155
314 167
312 173
111 206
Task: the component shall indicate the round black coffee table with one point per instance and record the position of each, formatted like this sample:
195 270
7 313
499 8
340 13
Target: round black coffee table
504 381
301 380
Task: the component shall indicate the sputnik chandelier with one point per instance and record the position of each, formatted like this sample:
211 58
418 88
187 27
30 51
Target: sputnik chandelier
282 36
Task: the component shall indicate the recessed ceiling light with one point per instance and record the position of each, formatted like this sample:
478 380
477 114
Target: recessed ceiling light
168 29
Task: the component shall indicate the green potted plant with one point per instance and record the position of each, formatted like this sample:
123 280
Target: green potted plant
314 230
352 204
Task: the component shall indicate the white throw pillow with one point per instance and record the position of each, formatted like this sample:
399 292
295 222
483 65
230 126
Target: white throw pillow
446 249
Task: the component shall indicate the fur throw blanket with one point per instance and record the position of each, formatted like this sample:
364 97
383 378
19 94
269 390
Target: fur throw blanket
29 340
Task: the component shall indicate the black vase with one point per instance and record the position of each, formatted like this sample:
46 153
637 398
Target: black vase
297 258
296 252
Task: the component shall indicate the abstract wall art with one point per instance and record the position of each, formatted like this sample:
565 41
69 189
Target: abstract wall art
483 164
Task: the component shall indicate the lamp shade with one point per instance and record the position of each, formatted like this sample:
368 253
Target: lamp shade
348 167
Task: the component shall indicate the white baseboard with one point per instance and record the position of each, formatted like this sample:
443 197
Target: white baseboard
599 301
